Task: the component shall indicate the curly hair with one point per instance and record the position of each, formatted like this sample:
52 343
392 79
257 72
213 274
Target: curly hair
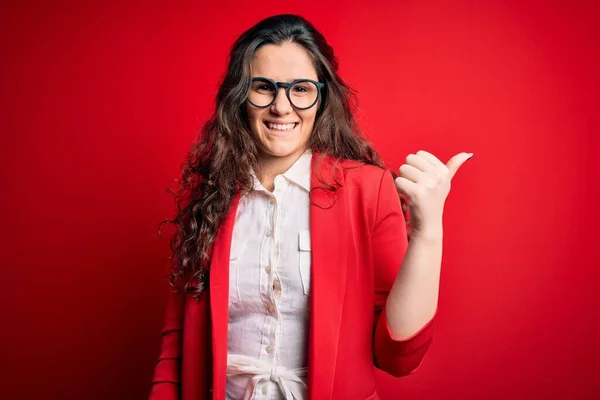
218 164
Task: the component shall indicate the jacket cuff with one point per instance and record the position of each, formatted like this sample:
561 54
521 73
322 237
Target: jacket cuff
401 357
422 337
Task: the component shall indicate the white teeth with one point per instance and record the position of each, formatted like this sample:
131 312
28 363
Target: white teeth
280 127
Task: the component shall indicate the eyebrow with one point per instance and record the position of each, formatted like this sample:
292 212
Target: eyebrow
291 80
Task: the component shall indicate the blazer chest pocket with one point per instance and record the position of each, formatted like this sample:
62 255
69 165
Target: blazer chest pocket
304 259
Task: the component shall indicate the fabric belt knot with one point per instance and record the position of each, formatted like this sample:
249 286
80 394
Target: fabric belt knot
289 380
276 373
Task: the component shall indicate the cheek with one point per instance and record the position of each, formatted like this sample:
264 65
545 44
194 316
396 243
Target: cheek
309 120
254 116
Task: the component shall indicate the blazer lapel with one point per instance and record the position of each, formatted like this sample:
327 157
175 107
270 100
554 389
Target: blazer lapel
219 300
329 237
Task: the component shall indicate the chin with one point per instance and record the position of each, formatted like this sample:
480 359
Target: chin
280 148
280 151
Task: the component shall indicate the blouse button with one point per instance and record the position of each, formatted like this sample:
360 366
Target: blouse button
269 349
270 308
268 269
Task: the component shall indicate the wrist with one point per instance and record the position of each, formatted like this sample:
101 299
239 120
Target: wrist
428 233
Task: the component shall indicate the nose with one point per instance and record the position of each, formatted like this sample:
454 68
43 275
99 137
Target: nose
281 105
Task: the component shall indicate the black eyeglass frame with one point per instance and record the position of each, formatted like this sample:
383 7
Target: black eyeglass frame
287 86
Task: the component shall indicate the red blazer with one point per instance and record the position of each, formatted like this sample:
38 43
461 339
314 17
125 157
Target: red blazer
358 237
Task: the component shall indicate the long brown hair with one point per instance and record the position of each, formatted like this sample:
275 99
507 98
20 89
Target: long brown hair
218 163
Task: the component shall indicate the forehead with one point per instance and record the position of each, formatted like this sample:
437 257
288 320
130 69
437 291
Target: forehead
283 63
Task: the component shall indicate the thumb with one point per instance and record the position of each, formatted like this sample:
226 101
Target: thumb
457 161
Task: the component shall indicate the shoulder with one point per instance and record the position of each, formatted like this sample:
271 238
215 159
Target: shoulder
354 176
364 176
371 191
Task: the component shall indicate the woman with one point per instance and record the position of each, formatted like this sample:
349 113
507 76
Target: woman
291 254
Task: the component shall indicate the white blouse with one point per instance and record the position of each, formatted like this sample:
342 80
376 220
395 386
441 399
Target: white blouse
269 287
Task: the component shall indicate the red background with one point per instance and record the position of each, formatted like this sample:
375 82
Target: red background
99 103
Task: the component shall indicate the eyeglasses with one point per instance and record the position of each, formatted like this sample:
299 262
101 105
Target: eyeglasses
302 93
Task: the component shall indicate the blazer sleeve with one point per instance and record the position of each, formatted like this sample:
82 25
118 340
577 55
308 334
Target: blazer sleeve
166 382
390 241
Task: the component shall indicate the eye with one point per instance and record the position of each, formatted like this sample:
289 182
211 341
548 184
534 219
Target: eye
264 88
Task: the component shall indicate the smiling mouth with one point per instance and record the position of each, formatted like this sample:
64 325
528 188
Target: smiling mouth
280 127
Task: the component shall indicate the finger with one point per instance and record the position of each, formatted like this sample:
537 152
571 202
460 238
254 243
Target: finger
421 163
405 186
411 173
455 162
432 159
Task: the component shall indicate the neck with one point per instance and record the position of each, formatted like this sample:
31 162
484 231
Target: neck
271 166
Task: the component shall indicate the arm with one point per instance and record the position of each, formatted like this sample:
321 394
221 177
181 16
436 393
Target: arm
167 372
413 299
404 326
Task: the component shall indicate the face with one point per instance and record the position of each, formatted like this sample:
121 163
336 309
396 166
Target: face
270 126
